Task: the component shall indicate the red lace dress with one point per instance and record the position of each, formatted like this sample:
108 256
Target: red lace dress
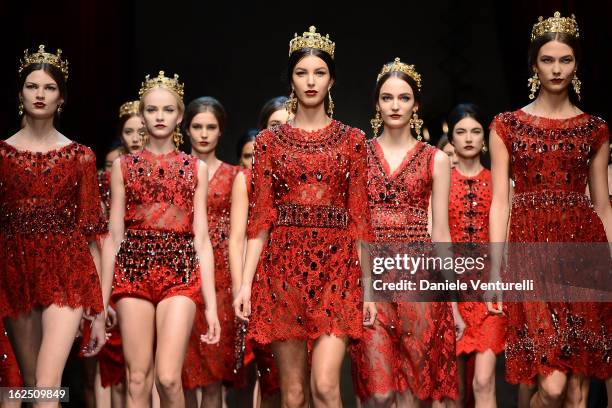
157 259
206 364
110 358
468 219
49 210
267 372
549 161
411 347
309 191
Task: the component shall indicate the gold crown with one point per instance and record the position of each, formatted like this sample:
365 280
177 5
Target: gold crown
312 39
129 108
399 66
555 24
42 57
163 81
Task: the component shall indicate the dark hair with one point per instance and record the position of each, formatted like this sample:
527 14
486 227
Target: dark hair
462 111
204 104
246 137
442 142
54 72
297 55
570 40
275 104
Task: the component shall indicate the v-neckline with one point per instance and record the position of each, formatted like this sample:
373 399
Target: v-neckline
215 173
380 155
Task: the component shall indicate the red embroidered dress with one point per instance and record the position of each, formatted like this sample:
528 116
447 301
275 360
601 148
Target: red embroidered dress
412 345
468 219
49 210
9 369
157 259
549 161
206 364
309 192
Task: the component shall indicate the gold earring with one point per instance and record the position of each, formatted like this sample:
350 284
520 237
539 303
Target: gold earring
484 147
59 108
20 108
142 133
291 103
577 84
177 138
330 107
376 122
533 84
416 124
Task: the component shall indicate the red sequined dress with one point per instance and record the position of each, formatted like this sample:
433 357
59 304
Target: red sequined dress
549 161
206 364
157 259
309 191
468 219
412 345
49 210
9 369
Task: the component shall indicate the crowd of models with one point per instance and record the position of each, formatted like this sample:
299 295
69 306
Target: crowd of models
181 273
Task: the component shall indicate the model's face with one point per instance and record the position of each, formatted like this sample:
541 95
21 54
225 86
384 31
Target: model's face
450 152
161 113
396 103
279 117
204 132
246 156
132 139
555 66
110 158
311 81
468 138
40 95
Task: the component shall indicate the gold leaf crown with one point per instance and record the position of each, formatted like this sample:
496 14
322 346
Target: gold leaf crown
43 57
129 108
162 81
555 24
312 39
399 66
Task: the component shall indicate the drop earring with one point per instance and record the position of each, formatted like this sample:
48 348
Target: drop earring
376 122
416 124
576 84
330 107
533 84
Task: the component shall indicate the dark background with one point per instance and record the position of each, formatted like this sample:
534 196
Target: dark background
465 50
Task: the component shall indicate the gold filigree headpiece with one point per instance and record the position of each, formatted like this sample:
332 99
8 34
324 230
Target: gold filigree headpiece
312 39
129 108
555 24
162 81
399 66
43 57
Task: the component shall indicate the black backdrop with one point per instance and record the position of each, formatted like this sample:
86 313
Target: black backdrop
466 51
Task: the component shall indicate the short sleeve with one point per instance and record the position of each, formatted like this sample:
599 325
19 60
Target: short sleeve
262 213
500 127
91 219
602 135
358 209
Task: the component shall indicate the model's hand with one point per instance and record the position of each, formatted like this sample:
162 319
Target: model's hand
493 300
242 303
214 328
369 313
111 318
98 336
459 324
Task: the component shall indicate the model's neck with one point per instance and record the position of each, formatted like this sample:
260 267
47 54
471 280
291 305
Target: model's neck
311 118
40 130
553 105
160 145
397 137
469 167
210 158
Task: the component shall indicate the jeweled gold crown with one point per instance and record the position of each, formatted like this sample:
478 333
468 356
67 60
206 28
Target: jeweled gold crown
163 81
399 66
555 24
42 57
129 108
312 39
